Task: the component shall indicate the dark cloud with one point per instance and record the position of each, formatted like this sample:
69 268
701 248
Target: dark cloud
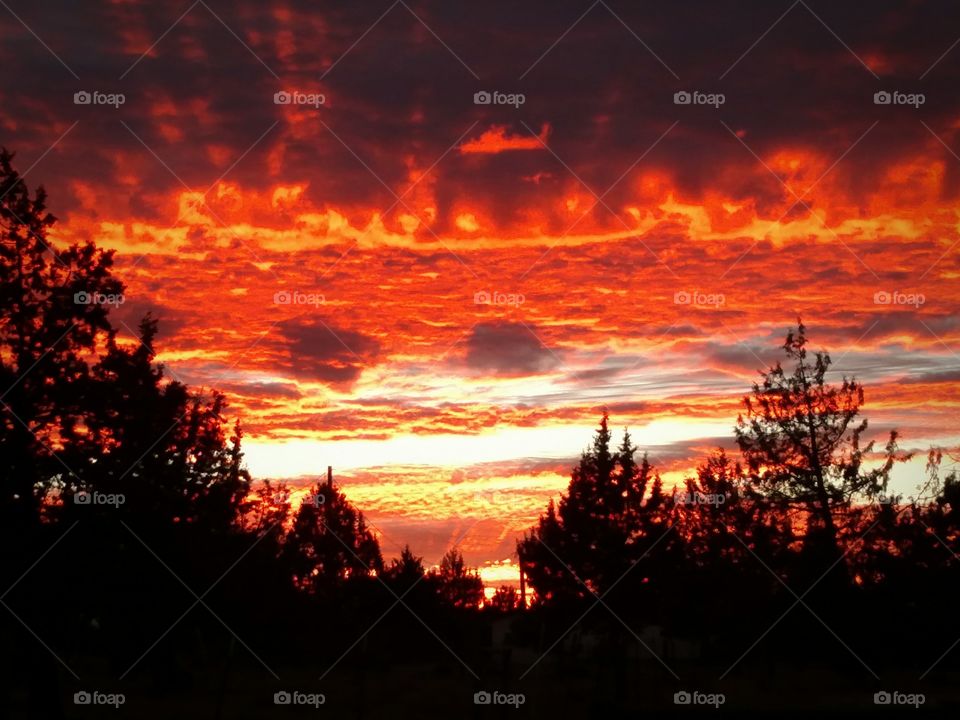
504 348
323 352
944 376
262 390
740 359
169 322
677 455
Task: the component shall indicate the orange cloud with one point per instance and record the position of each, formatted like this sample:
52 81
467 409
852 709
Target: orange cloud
497 140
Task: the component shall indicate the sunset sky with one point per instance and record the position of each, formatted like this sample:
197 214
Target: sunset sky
325 262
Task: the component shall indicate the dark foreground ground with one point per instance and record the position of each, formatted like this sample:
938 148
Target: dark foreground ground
561 686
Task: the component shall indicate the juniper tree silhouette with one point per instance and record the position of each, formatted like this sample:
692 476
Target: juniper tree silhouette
408 579
45 337
162 446
801 439
506 599
84 415
723 518
329 542
46 334
456 585
602 525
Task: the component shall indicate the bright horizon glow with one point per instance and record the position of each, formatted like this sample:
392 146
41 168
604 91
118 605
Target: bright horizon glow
297 458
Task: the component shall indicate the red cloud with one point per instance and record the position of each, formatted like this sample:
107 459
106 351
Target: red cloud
496 140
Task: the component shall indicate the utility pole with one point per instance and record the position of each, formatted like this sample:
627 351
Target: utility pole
523 583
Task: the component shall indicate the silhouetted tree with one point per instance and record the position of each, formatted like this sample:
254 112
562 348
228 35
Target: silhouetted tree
329 541
47 331
602 525
80 411
456 585
802 442
269 507
406 570
164 448
505 599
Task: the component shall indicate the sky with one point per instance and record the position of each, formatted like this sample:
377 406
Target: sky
427 243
